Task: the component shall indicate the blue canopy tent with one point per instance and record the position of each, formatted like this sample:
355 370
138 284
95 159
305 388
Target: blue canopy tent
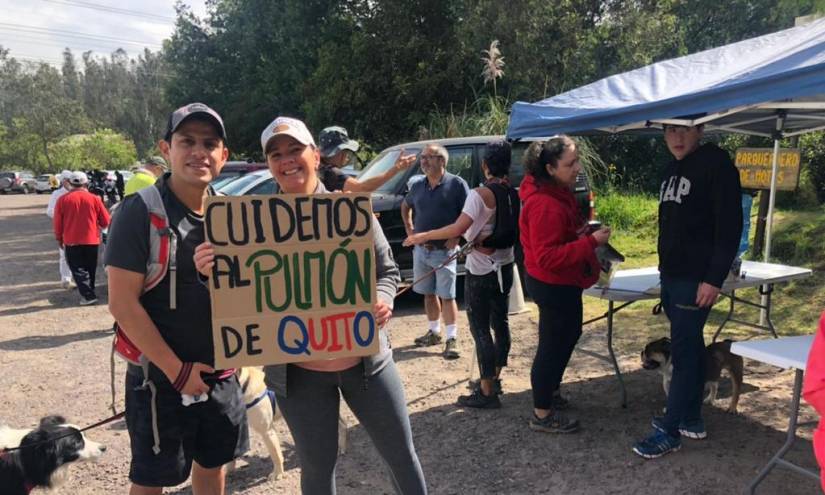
772 86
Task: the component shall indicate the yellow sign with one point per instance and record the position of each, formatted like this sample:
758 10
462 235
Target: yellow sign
294 278
755 166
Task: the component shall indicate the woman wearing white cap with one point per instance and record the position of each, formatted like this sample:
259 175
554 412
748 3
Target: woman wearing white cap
308 393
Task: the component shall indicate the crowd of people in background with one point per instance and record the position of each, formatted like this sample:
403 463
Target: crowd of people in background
700 220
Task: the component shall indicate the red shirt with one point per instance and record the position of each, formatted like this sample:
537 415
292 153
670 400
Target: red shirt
549 224
813 390
78 217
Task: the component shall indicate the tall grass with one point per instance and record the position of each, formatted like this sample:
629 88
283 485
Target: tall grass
484 116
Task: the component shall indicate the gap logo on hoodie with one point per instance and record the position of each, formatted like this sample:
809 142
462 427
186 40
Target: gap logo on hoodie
674 189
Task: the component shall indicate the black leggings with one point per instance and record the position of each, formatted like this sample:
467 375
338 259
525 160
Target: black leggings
560 326
486 307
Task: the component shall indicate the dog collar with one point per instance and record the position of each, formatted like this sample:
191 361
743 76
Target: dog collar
257 399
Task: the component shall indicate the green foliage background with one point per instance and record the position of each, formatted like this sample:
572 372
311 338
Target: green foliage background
387 70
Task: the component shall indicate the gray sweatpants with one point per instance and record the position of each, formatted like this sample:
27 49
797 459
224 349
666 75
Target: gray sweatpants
311 412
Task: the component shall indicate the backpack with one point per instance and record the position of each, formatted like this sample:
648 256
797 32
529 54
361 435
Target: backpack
508 206
163 245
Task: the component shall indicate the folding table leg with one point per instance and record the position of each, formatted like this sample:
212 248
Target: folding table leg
778 459
613 355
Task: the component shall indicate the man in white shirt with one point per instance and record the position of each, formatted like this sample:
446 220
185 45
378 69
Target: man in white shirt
66 280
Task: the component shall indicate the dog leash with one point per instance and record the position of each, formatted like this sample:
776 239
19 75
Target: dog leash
463 250
95 425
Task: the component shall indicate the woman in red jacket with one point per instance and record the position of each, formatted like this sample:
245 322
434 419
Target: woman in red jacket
560 259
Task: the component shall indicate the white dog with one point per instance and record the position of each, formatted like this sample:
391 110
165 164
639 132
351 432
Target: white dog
262 412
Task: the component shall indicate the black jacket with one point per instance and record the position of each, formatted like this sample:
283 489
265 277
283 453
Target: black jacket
700 216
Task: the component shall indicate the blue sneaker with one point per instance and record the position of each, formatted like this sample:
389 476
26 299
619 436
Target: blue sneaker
694 429
657 445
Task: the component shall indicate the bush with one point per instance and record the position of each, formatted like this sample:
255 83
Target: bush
620 211
813 161
102 150
799 241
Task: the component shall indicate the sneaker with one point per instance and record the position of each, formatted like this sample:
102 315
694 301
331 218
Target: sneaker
555 422
476 385
558 402
87 302
479 401
428 339
450 349
657 445
694 429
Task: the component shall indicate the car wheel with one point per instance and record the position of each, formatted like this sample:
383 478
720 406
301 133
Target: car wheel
26 189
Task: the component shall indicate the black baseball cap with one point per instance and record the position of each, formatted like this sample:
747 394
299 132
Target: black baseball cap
180 115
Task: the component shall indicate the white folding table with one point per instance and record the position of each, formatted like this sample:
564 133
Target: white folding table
629 286
785 352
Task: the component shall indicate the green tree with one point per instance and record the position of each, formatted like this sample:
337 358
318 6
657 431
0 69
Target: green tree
50 115
104 149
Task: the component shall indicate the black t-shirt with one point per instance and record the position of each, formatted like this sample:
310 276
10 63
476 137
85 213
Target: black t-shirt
332 177
187 329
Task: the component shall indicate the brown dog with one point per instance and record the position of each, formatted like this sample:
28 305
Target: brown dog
656 356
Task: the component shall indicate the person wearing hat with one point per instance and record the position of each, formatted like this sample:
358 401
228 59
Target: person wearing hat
153 168
169 439
335 148
309 393
66 280
78 218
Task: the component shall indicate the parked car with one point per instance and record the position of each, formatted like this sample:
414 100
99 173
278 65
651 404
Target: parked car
258 182
465 161
233 170
46 183
23 182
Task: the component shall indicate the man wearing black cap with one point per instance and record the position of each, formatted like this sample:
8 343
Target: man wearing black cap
170 323
336 147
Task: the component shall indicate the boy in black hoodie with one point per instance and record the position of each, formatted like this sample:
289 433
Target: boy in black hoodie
700 224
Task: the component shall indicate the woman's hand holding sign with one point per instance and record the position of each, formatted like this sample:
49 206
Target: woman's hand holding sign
204 259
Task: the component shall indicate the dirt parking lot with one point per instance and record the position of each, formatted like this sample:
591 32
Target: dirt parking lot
54 358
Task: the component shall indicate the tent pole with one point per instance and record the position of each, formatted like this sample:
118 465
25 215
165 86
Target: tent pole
780 124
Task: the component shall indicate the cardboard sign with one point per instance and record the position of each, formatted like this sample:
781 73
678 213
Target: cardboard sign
294 278
755 166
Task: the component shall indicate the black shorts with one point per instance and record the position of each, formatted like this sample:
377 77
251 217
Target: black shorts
211 433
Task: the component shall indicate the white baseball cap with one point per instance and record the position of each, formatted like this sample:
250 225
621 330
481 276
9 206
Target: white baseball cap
78 178
65 175
289 127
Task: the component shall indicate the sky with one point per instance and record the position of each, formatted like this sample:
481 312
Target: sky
39 30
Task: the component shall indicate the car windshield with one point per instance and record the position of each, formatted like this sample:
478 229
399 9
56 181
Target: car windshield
224 179
238 185
43 177
6 175
381 164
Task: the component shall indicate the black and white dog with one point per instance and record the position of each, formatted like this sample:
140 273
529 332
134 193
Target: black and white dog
39 458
